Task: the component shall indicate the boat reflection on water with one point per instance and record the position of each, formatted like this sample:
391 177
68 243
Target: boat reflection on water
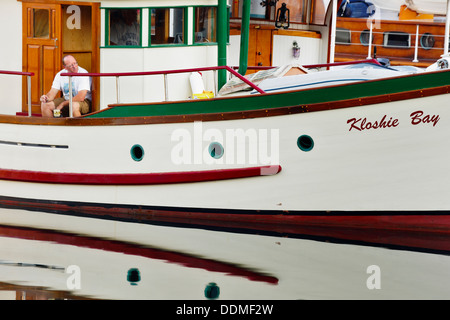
67 257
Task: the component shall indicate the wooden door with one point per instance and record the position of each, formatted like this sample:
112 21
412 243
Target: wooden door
41 37
80 37
52 30
260 47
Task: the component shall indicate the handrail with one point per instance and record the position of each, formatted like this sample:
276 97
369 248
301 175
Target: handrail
147 73
29 75
318 65
19 73
343 63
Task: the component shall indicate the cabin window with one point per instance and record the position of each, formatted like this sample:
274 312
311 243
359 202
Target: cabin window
343 36
41 26
427 41
396 39
168 26
205 25
124 27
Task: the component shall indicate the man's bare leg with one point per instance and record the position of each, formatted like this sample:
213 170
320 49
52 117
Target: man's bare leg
47 109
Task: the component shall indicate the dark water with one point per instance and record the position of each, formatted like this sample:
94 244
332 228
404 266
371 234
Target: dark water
48 256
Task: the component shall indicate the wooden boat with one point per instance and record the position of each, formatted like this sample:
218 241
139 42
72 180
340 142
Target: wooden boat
403 32
367 157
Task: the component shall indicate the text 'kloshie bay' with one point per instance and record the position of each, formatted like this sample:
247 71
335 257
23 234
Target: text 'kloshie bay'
416 118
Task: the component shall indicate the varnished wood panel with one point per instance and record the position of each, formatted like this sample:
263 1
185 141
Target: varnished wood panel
356 50
50 63
77 40
34 65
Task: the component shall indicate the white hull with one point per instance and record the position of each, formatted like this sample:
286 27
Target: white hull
397 168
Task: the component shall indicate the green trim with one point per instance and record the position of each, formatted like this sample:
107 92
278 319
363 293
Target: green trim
221 35
245 32
186 35
283 99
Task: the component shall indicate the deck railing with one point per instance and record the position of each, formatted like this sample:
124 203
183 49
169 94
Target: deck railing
163 72
28 75
148 73
319 65
414 40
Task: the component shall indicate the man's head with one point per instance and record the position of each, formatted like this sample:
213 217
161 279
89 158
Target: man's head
70 64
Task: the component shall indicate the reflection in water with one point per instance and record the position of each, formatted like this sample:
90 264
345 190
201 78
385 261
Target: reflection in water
134 276
46 256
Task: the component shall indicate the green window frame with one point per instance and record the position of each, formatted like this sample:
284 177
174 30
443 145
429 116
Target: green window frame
201 19
114 13
169 36
205 25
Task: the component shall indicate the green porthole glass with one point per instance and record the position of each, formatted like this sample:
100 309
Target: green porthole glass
137 152
212 291
216 150
305 143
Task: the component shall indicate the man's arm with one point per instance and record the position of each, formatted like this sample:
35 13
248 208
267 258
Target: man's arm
80 96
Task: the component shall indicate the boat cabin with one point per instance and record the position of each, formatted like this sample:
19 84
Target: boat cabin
119 36
399 31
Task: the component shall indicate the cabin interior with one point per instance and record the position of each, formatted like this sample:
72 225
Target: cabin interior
169 35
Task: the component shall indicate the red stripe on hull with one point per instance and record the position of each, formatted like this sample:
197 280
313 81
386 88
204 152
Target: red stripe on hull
136 178
415 230
187 260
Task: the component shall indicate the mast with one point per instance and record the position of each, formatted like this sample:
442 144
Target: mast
245 26
222 28
447 27
333 30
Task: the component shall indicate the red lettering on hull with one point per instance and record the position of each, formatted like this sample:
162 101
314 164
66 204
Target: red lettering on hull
362 123
417 117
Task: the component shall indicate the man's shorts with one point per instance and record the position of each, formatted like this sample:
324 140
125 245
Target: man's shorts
85 106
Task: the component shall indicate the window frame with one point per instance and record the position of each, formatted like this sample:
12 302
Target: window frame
386 39
185 28
107 27
189 27
194 17
344 33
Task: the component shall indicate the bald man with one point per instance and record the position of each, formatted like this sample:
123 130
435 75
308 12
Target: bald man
81 91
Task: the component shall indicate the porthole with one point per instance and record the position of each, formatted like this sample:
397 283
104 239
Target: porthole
212 291
427 41
305 143
364 37
137 152
216 150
